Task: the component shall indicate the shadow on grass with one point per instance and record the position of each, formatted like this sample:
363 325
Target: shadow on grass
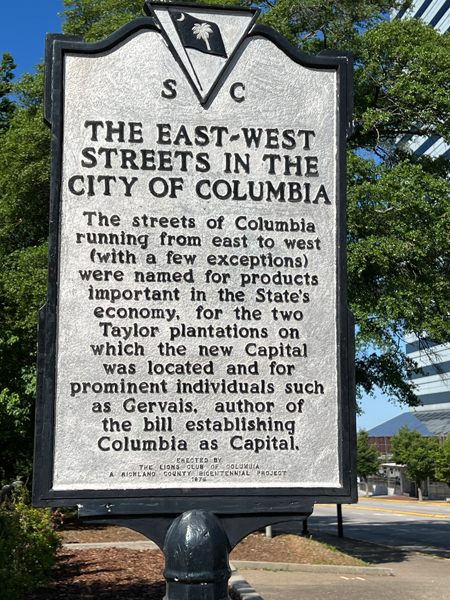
375 554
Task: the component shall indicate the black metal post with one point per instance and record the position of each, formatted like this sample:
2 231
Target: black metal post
305 527
196 550
339 520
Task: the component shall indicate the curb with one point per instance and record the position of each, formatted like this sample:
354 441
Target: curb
241 586
273 566
140 545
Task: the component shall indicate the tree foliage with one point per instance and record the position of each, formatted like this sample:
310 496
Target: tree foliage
398 211
398 203
7 105
442 472
28 547
417 452
314 25
24 197
368 457
94 20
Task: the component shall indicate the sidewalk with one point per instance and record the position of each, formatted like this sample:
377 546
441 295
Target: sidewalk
415 577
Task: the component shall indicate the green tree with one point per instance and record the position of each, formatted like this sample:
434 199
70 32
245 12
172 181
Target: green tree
398 203
368 457
24 198
314 25
7 105
442 472
417 452
94 20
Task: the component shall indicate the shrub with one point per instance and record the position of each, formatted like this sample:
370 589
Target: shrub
28 546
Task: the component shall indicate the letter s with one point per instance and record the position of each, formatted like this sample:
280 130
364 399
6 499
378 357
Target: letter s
170 85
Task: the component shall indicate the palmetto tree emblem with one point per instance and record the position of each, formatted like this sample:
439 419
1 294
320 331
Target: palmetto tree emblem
197 34
202 31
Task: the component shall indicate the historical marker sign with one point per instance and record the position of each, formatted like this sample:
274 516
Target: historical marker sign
195 341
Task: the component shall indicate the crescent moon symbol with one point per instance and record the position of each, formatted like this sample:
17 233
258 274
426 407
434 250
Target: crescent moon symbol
183 16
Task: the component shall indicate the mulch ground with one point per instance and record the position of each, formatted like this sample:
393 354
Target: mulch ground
125 574
105 573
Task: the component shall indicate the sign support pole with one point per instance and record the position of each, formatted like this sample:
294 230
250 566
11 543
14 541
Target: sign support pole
196 550
339 520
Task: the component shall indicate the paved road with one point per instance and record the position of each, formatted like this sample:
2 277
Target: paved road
405 525
440 509
416 576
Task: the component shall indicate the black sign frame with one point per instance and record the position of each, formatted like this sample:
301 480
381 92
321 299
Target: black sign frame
216 499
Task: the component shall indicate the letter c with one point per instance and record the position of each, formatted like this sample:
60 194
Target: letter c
251 352
71 185
233 92
235 437
100 443
200 192
238 225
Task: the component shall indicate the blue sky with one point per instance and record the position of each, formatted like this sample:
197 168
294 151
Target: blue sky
377 410
23 26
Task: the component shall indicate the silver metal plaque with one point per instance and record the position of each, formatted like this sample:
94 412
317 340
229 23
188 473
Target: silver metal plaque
198 294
